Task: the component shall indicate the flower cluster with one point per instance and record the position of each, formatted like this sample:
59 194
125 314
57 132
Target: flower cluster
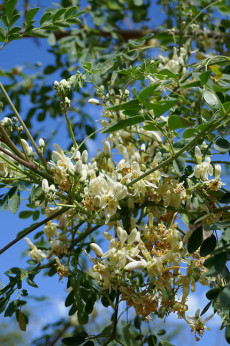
160 255
127 182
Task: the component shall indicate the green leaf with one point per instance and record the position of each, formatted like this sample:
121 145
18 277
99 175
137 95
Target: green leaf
175 122
222 145
179 164
129 105
70 12
36 194
14 19
205 309
215 264
10 5
2 35
218 225
45 17
148 91
163 106
224 130
14 30
189 133
227 334
83 317
70 298
202 76
212 293
212 100
76 339
31 14
226 235
161 332
22 320
107 66
11 308
52 39
193 84
208 246
15 203
25 214
127 335
195 240
37 33
122 124
151 127
3 303
58 14
30 282
73 20
4 203
224 297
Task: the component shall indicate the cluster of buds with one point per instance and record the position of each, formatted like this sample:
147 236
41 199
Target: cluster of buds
7 124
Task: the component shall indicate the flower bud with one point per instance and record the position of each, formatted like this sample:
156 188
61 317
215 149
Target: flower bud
217 171
78 166
94 102
107 236
97 202
84 156
56 84
45 185
135 265
41 143
96 249
106 147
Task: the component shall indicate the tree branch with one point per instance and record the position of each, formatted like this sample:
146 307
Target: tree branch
31 229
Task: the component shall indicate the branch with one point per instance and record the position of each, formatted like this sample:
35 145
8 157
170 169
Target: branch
24 126
114 331
127 35
31 229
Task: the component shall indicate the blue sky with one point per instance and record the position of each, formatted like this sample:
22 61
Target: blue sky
32 51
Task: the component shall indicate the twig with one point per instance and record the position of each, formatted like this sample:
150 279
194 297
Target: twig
24 127
31 229
114 331
60 334
173 157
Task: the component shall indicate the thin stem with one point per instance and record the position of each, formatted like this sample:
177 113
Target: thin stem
173 157
24 127
198 15
33 228
10 143
69 123
114 331
83 235
180 25
89 136
29 165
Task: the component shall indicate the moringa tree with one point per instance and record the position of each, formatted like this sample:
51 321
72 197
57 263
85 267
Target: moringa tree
147 220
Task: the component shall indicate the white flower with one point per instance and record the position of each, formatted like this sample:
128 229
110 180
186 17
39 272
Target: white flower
202 170
50 230
94 102
35 253
28 150
135 265
96 249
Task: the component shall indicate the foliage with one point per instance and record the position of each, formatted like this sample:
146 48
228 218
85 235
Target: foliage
154 196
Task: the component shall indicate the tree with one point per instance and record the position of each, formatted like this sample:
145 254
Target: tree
158 209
